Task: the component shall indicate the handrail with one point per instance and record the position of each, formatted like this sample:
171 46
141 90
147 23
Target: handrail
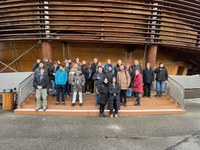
25 88
176 91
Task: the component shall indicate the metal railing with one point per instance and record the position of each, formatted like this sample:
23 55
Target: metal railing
25 89
176 91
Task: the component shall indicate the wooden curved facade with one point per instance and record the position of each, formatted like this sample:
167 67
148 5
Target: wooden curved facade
173 24
176 22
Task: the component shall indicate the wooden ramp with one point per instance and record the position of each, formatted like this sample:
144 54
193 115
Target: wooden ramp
149 106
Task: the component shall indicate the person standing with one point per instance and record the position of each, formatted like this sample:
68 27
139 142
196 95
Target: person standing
103 97
61 80
148 78
99 77
114 97
117 67
40 83
88 79
36 65
137 86
52 74
123 79
110 74
77 84
93 69
67 86
109 63
161 79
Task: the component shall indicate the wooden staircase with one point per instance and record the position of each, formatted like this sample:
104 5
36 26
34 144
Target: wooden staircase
149 106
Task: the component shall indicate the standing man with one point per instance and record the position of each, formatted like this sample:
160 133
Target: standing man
93 69
148 78
61 80
36 65
40 83
123 79
161 79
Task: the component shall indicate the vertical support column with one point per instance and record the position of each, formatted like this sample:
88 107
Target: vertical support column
151 55
46 50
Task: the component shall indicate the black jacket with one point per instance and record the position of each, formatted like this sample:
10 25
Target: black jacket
110 75
44 82
103 93
161 74
94 68
148 75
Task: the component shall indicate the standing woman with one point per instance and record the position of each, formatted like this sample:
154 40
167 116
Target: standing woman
137 86
103 93
114 97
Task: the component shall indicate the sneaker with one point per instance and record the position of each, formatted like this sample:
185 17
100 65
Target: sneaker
57 103
37 109
80 104
111 115
73 104
63 103
44 109
116 115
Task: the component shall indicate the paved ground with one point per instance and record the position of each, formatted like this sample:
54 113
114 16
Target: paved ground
172 132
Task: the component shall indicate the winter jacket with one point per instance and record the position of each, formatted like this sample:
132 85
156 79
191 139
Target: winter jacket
148 75
110 75
103 93
52 71
61 77
99 78
161 74
71 74
137 84
114 93
123 79
37 81
94 68
78 82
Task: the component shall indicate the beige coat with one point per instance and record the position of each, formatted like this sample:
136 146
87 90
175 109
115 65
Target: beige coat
123 79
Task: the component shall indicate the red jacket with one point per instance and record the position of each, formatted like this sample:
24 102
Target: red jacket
137 84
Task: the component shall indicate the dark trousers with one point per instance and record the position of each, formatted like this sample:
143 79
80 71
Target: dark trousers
137 95
92 86
67 88
60 88
101 108
115 107
88 86
147 89
123 95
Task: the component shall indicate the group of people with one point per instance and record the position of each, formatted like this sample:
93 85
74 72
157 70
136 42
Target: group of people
112 84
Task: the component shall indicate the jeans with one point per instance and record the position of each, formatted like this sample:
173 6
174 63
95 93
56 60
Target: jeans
60 88
97 99
115 107
160 87
53 87
75 96
41 93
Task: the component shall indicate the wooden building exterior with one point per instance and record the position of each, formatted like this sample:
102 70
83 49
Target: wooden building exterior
156 31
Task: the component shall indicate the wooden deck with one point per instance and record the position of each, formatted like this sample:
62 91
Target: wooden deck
149 106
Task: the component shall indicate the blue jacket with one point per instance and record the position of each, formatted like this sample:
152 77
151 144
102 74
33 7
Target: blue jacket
61 77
